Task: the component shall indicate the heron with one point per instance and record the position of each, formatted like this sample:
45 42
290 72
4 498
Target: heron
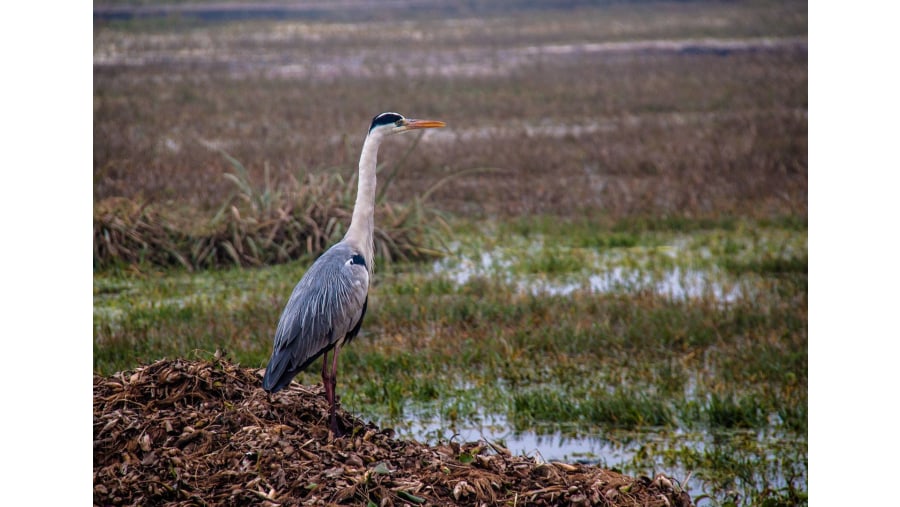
326 308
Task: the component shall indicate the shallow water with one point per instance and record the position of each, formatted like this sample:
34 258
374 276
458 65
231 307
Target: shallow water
613 270
549 445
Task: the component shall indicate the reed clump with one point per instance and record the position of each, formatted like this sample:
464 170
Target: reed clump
258 224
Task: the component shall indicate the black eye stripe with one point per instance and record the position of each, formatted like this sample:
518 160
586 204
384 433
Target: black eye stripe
385 119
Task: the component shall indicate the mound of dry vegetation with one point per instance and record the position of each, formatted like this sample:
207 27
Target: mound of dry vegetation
205 433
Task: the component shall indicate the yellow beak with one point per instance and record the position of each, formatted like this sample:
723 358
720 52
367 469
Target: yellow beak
423 124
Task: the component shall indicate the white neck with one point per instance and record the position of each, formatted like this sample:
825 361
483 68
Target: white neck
362 225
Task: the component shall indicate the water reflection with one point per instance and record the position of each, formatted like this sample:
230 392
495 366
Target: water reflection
551 444
608 272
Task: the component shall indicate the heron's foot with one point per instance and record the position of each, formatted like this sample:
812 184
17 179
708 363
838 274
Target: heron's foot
335 427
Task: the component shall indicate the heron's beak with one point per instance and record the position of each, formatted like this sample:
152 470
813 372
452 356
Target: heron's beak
411 124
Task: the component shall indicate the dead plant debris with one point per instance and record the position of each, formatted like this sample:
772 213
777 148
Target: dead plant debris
181 432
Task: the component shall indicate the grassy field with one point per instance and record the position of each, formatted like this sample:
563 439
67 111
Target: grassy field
620 199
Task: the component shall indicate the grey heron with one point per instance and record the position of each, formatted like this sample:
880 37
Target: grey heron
326 308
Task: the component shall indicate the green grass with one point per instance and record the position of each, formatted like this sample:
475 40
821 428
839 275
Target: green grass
616 410
432 349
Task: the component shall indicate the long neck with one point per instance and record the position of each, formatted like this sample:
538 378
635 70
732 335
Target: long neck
362 225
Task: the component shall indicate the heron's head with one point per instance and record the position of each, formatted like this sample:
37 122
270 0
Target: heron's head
393 123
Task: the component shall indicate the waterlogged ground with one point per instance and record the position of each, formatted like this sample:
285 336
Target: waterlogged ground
714 267
676 347
678 268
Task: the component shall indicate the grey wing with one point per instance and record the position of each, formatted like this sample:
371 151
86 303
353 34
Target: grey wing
326 306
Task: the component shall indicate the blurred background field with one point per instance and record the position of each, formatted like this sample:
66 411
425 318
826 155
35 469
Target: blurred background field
602 258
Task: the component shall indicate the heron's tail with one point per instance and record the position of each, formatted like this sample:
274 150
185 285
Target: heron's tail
278 372
277 376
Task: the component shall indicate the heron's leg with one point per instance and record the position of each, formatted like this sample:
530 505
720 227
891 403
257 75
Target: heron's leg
333 380
326 380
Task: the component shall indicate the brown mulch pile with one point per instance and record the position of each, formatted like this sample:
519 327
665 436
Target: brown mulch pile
205 433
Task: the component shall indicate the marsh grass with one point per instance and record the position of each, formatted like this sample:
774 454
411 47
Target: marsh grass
619 409
260 224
